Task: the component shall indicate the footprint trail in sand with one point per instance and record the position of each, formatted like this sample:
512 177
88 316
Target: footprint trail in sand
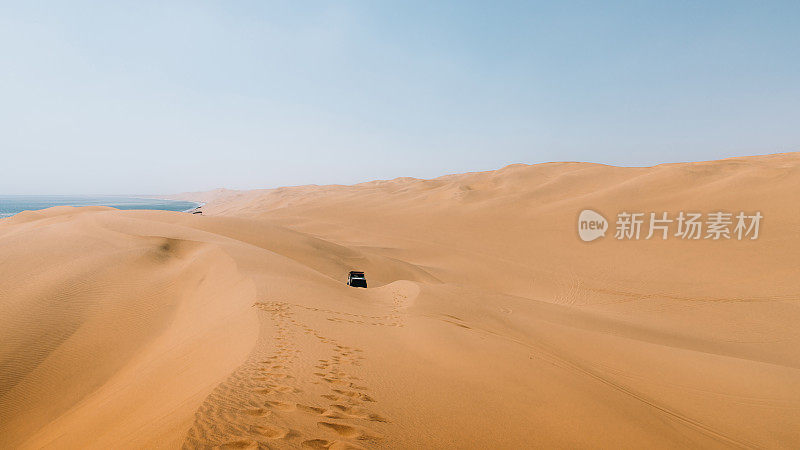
298 388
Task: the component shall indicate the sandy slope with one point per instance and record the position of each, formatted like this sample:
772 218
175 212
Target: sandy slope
488 323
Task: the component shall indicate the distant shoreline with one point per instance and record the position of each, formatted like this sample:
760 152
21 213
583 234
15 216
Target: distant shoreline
11 205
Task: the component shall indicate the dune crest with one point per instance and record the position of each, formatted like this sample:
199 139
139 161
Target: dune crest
488 323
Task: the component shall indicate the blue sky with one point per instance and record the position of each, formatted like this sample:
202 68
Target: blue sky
160 97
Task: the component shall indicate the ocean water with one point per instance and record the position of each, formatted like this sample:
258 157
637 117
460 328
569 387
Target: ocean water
12 204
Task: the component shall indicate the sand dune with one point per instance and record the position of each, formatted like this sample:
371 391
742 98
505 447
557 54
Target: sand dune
488 323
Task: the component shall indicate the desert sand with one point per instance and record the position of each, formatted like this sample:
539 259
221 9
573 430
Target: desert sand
488 323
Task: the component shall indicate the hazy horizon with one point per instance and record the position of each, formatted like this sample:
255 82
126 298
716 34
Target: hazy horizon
145 98
164 195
